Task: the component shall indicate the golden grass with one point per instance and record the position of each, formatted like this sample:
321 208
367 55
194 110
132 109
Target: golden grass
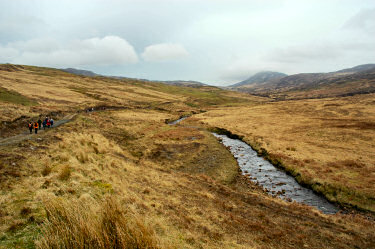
187 191
180 180
36 91
329 142
77 224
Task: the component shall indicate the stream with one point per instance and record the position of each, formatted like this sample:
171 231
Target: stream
275 181
178 120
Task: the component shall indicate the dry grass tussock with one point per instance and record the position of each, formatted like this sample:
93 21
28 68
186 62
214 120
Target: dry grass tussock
325 141
76 224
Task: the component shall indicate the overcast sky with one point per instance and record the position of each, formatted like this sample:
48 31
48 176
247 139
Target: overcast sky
213 41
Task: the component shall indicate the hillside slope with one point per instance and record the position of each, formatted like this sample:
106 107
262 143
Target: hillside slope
258 78
26 92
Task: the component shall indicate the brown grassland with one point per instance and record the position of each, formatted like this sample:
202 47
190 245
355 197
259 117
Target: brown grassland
328 144
123 178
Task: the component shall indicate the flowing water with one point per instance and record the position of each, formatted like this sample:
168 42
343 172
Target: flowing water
178 120
272 179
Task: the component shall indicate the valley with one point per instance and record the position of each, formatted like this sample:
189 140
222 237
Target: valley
122 172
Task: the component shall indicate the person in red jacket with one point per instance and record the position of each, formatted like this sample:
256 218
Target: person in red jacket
36 126
30 125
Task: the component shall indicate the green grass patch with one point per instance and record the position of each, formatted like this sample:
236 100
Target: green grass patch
104 187
15 98
22 236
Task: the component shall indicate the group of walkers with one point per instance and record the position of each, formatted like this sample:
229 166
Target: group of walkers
48 122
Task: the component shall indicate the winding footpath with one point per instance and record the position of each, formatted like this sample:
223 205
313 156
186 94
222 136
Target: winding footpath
27 136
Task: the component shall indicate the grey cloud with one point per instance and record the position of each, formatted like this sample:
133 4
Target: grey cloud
164 52
109 50
363 20
7 54
225 40
309 52
36 45
18 26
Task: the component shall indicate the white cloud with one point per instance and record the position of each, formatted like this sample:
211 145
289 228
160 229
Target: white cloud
164 52
6 54
109 50
36 45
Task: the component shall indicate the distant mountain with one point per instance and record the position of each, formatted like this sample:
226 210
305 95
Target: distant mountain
358 69
80 72
260 77
189 83
359 79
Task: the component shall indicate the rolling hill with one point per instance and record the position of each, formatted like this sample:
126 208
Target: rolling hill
187 83
258 78
356 80
80 72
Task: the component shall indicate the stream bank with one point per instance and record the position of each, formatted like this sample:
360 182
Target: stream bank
274 180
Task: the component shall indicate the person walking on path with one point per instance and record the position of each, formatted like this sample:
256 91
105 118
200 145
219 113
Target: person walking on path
51 121
48 123
39 123
30 125
36 126
44 124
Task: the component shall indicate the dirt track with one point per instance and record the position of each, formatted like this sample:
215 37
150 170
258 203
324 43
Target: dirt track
27 136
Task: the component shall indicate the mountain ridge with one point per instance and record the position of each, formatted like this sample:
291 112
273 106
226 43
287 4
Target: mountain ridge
82 72
260 77
358 79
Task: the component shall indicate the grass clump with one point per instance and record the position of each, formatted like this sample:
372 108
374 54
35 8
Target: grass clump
77 225
46 170
105 187
83 157
65 173
25 211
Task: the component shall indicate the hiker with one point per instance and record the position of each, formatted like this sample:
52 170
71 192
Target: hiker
39 123
30 125
48 123
36 126
44 124
51 121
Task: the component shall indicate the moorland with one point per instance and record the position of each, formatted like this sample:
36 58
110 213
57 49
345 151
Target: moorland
121 177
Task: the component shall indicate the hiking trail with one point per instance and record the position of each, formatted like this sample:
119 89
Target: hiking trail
27 136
